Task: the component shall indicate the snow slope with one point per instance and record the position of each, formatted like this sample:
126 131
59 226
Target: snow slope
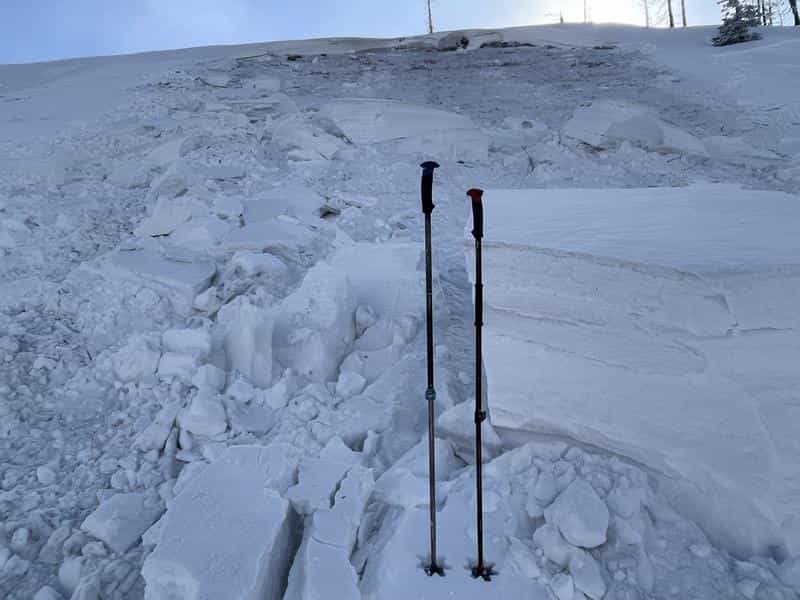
220 248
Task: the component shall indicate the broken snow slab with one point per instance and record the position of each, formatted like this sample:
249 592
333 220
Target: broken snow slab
387 277
181 277
121 520
607 123
228 533
322 568
632 319
296 200
414 128
283 236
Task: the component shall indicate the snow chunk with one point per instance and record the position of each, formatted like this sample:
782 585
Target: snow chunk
47 593
522 560
247 331
366 121
586 574
179 366
281 236
253 264
130 175
562 586
321 572
458 425
196 342
413 127
302 142
169 214
350 384
607 123
552 543
295 200
184 278
736 149
205 415
324 555
337 451
338 525
135 361
156 434
318 482
314 328
405 483
580 515
245 544
389 278
122 519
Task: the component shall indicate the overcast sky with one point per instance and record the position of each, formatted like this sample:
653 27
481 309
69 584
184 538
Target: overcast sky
32 30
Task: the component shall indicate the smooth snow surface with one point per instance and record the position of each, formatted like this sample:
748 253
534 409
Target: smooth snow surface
212 311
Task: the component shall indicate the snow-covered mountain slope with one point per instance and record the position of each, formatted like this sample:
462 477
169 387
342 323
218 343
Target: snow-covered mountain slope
210 281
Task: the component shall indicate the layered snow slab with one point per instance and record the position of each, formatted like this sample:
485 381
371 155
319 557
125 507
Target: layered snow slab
661 324
229 532
412 128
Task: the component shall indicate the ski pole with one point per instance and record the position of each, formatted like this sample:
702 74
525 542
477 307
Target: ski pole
430 393
480 570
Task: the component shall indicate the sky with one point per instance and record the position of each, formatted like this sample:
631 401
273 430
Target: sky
37 30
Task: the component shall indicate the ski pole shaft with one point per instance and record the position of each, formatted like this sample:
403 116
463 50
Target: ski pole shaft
430 393
476 195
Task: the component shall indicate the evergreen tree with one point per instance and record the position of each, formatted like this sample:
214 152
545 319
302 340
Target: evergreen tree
737 19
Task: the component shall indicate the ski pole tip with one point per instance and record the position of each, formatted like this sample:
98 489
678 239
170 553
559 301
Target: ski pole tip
475 194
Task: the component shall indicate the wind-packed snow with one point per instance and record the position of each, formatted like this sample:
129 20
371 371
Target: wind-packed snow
644 320
212 318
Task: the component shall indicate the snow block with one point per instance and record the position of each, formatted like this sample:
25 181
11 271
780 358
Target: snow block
315 326
205 415
181 279
322 572
411 128
136 360
228 534
169 214
405 483
607 123
580 515
318 482
322 567
246 331
295 200
121 520
389 278
626 319
302 142
283 236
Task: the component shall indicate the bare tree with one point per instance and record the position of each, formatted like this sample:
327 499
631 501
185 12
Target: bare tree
671 16
430 18
683 11
646 13
793 5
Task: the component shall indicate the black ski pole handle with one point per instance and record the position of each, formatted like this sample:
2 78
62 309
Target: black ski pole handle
476 196
427 186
